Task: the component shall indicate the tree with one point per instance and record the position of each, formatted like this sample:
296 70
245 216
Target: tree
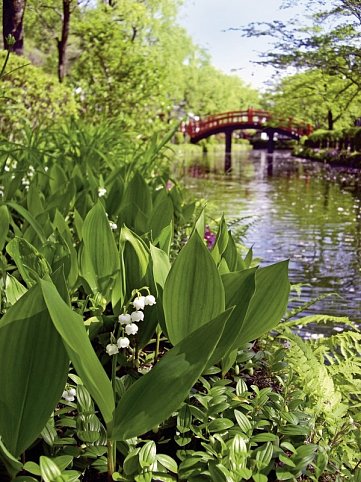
329 44
316 98
13 16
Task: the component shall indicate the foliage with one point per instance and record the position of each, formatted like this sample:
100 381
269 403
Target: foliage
316 97
23 87
81 254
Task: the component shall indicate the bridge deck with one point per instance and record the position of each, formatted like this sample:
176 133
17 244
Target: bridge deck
248 119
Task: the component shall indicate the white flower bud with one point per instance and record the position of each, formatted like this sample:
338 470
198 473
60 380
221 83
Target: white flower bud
150 300
124 319
112 349
123 342
137 316
131 329
101 191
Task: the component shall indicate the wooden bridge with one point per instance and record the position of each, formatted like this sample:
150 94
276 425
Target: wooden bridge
260 120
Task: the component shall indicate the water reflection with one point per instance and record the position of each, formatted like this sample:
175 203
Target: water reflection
296 209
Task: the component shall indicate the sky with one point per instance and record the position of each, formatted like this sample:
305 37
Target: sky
207 22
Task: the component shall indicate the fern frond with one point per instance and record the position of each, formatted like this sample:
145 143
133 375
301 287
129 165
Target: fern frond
299 309
306 320
315 380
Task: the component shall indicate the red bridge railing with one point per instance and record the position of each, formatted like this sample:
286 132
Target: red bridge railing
251 119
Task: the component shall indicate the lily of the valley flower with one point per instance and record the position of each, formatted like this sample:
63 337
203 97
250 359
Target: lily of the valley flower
137 316
69 395
131 329
124 319
112 349
149 300
139 302
102 191
123 342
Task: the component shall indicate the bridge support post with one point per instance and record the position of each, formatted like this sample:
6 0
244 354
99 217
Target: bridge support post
271 142
228 151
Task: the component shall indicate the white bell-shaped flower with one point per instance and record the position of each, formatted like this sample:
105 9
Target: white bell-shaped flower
69 395
139 302
124 319
123 342
131 329
150 300
112 349
137 316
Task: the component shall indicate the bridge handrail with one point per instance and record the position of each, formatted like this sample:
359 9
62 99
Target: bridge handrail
250 116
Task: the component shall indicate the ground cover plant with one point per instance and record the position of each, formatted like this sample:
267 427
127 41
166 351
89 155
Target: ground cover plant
128 328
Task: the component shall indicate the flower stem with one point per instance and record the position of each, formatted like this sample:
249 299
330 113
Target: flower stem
156 351
112 448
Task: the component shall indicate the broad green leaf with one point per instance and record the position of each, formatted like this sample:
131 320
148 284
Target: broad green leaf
147 454
71 328
231 254
167 462
12 465
239 288
4 225
193 292
30 263
141 408
50 472
61 225
221 241
58 178
13 289
136 257
162 216
268 303
220 425
99 259
200 224
30 219
34 367
34 200
160 264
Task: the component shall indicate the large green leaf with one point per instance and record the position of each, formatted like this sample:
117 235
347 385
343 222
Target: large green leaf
61 225
4 225
193 293
99 258
239 288
268 303
154 397
30 219
136 257
30 263
71 328
34 367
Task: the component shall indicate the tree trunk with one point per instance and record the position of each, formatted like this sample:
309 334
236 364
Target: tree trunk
63 41
330 120
13 15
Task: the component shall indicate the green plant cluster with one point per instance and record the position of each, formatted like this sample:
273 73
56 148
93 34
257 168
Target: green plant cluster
90 228
342 146
31 97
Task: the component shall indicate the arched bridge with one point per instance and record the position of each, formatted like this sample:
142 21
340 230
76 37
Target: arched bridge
228 122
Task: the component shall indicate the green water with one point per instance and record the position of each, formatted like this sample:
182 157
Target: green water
298 210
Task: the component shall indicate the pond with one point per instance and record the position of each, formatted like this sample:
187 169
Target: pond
299 210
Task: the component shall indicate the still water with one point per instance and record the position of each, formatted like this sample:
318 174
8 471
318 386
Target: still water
298 210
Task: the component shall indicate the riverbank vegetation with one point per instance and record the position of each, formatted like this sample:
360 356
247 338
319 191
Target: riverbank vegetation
103 257
139 340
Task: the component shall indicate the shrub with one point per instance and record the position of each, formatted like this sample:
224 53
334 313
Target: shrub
31 96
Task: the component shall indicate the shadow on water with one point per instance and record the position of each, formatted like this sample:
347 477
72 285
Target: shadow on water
306 212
